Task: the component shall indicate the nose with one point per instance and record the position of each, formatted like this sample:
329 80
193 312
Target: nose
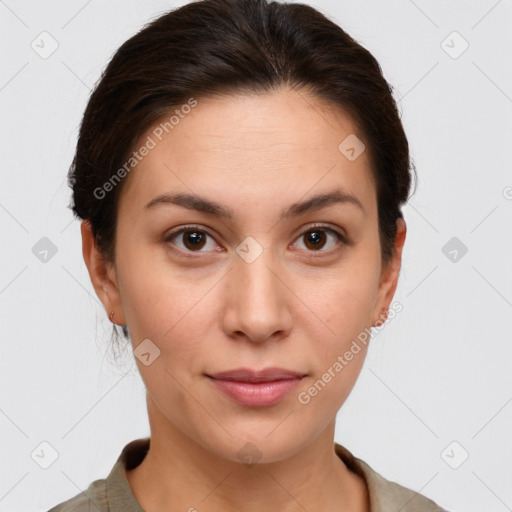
257 301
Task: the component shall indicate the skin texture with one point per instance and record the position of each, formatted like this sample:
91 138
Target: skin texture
296 306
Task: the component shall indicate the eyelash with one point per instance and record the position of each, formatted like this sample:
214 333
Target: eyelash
315 227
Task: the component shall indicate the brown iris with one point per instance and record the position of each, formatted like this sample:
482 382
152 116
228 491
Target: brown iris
316 238
196 239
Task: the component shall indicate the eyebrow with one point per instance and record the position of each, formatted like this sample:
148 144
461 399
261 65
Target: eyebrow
201 204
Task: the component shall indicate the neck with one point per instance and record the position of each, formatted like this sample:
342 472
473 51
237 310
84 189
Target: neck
179 474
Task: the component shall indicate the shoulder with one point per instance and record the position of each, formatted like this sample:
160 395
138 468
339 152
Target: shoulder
389 495
93 498
113 493
386 495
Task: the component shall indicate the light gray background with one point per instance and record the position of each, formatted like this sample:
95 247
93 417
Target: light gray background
439 372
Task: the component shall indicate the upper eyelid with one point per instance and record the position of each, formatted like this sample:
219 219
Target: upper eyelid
188 227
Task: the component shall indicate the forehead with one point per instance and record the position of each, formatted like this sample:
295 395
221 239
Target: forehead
251 148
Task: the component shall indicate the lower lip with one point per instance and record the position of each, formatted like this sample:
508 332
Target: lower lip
254 394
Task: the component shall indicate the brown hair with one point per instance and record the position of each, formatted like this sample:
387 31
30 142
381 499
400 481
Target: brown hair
234 46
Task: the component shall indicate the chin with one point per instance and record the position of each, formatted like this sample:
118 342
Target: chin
259 449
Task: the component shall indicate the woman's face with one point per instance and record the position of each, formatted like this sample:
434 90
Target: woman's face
265 284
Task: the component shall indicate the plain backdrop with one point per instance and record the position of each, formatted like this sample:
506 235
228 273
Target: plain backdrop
432 408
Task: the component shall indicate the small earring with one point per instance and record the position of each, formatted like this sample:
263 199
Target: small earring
383 315
111 317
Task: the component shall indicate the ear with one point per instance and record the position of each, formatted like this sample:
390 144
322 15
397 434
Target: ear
389 277
103 275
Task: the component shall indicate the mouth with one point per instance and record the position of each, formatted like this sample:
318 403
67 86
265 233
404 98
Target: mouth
256 388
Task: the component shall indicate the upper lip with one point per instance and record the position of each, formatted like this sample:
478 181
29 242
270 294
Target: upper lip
249 375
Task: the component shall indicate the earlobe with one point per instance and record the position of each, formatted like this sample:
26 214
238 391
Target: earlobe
102 274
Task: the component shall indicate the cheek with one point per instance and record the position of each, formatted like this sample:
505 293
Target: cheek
339 350
172 310
344 306
154 295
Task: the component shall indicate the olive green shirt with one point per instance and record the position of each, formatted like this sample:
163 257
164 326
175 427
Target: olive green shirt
114 494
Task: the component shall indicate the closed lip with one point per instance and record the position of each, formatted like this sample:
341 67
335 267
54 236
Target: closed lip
250 375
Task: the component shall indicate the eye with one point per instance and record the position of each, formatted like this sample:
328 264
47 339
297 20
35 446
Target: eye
317 237
193 239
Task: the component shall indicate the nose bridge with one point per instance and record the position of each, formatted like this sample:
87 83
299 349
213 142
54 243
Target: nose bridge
256 272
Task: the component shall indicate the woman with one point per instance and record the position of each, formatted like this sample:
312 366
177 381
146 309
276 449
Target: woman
240 171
